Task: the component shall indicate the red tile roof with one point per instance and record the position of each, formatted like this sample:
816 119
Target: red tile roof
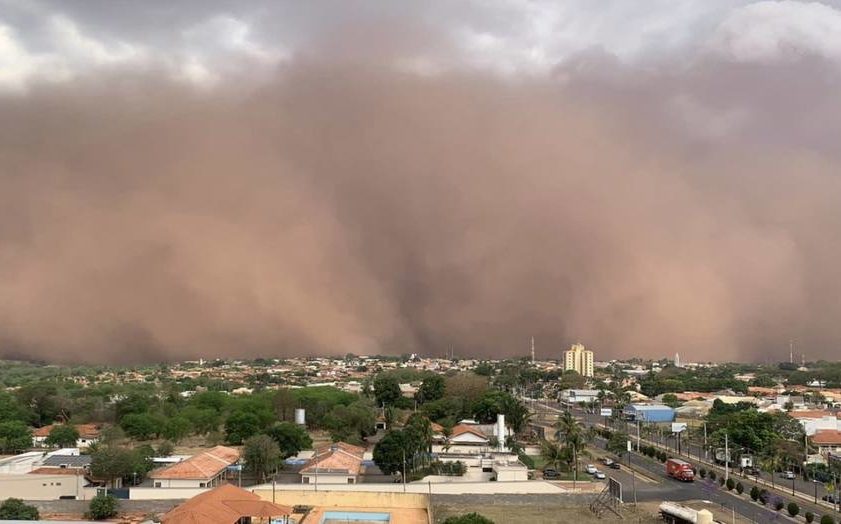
205 465
810 414
52 470
86 431
339 457
827 437
223 505
461 429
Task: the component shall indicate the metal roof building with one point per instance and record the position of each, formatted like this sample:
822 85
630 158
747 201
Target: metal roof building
649 413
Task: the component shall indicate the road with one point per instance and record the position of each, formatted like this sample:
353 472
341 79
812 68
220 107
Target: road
666 488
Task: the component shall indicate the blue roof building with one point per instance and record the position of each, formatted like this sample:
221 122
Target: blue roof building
649 413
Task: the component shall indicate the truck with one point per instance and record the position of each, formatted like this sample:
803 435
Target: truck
680 470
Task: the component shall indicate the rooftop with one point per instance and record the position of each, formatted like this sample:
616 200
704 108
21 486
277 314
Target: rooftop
226 504
205 465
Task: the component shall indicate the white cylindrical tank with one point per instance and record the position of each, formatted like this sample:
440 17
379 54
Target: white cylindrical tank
500 432
300 417
704 517
681 512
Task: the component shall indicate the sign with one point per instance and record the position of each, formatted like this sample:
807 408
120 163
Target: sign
630 446
677 427
615 489
746 461
606 412
235 467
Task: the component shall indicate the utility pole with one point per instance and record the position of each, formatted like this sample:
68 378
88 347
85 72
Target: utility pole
404 471
705 441
532 350
316 470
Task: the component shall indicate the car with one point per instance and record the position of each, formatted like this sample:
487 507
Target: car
829 498
599 475
550 474
615 465
789 475
607 461
591 469
753 472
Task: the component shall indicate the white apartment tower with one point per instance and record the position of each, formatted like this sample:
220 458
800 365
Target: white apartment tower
579 359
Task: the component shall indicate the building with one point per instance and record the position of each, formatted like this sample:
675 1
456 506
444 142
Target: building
579 396
226 504
206 470
579 359
468 434
828 441
338 463
649 413
88 434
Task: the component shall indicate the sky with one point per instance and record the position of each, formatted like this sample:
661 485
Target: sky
240 179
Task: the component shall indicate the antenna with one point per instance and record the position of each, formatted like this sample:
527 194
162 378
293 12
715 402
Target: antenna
791 352
532 350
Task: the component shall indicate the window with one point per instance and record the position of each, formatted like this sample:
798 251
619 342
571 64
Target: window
58 483
306 480
350 481
157 484
202 484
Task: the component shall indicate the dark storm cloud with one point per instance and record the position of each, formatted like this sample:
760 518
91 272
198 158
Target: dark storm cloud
345 204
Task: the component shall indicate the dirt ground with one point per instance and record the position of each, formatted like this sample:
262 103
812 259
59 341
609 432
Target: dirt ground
547 515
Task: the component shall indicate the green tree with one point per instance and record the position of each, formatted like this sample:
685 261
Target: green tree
469 518
63 436
16 509
176 429
670 399
827 519
140 426
484 369
386 389
15 437
432 388
618 443
240 426
553 453
390 452
112 462
352 423
102 507
261 455
793 509
165 449
203 420
291 438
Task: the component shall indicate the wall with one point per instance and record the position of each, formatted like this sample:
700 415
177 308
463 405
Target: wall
327 478
41 487
143 493
347 499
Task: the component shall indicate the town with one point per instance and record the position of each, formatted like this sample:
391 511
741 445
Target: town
422 439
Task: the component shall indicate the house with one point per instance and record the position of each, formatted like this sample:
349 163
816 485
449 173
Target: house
579 396
828 441
88 434
226 504
509 469
338 463
649 413
468 434
205 470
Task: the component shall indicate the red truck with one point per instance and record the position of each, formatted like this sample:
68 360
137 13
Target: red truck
679 469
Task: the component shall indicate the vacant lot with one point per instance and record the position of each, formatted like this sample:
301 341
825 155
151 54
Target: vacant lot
529 514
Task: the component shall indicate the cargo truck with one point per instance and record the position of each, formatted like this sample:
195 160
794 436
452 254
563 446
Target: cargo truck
680 470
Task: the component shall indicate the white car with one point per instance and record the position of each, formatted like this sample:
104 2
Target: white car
591 469
789 475
599 475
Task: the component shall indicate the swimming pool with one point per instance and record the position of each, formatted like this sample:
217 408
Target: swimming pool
357 517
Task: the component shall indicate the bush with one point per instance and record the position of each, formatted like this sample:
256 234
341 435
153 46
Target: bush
470 518
754 493
827 519
721 481
712 475
779 504
102 507
740 488
793 509
810 517
16 509
763 496
703 473
730 484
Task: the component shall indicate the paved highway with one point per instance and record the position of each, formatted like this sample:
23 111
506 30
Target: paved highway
666 488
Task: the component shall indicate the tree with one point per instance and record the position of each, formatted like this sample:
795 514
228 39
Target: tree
793 509
754 493
203 420
165 449
390 452
484 369
827 519
386 389
351 423
176 429
469 518
16 509
740 488
62 436
810 517
140 426
113 462
261 455
671 400
102 507
285 404
618 444
291 438
14 437
553 453
432 388
240 426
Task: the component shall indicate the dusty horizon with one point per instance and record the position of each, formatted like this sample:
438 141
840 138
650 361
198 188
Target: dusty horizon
375 185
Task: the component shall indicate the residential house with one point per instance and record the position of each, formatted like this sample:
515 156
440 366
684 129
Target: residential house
88 434
204 470
828 441
338 463
468 434
226 504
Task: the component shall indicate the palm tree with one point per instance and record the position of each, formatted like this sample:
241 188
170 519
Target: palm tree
573 436
553 453
512 444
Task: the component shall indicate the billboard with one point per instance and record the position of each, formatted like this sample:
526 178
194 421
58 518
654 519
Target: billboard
677 427
606 412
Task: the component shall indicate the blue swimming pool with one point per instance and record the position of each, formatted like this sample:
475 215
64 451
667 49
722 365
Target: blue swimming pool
337 517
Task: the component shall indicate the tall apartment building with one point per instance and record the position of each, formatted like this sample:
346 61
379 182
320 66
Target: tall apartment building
579 359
